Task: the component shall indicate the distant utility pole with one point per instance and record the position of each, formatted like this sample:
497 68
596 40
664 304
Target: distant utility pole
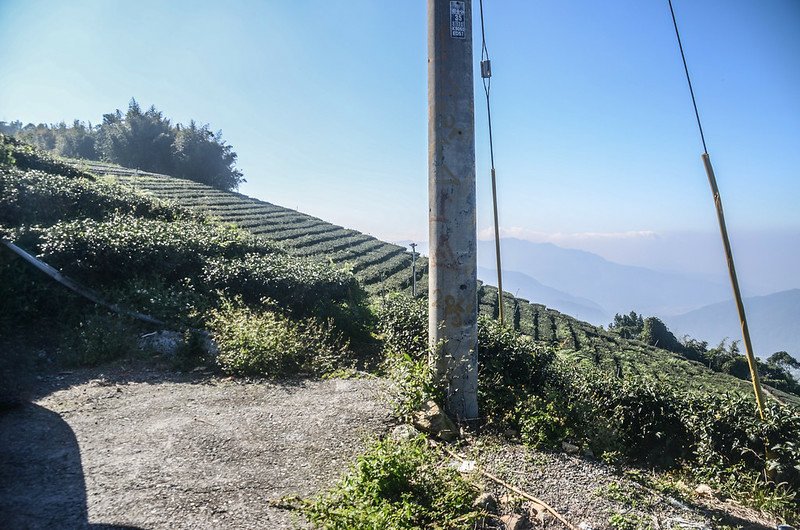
452 285
413 270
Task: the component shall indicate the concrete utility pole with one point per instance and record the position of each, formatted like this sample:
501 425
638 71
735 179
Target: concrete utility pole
452 285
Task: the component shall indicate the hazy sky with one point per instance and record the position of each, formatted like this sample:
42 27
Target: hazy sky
326 103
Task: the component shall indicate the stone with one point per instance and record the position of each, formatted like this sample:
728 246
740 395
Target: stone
486 502
515 521
404 432
432 420
544 518
162 342
570 449
704 490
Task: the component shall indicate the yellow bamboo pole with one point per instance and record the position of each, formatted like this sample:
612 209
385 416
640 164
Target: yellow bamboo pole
748 347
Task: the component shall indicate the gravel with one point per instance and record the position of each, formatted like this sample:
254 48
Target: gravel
587 493
162 450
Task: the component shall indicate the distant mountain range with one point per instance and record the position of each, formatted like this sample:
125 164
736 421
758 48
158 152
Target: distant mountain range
523 286
774 322
593 289
611 287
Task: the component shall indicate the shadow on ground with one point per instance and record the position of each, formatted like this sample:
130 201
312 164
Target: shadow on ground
41 477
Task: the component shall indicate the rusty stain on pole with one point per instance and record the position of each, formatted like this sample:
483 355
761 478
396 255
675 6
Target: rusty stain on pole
451 196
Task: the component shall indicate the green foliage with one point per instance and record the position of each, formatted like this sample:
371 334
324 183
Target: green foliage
142 139
655 333
203 156
544 422
783 360
397 485
412 382
403 324
303 285
39 198
27 297
628 326
100 337
101 251
629 521
510 365
25 156
266 343
191 352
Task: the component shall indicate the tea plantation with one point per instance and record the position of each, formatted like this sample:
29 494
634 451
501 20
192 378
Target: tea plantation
383 268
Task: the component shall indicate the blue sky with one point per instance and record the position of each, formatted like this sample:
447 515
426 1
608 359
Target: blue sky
325 103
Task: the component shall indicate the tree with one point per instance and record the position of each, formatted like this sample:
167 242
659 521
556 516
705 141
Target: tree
628 326
783 360
203 156
655 333
140 139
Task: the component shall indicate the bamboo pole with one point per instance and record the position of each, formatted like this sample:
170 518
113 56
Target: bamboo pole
748 346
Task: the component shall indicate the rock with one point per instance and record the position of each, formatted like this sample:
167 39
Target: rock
704 490
544 518
162 342
431 419
467 466
486 502
515 522
570 449
404 432
585 526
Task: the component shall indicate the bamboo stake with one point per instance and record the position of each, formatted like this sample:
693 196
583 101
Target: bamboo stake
748 347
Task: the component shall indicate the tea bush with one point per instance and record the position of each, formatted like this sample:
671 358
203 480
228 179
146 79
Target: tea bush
300 283
397 485
403 324
267 343
102 251
25 156
38 198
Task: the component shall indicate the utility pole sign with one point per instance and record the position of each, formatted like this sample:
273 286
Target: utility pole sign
452 286
458 19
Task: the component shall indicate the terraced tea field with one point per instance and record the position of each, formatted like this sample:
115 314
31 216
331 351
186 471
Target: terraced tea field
383 267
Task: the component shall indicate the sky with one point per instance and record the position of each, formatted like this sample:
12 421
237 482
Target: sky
325 103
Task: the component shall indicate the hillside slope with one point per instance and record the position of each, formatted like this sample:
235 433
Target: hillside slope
383 267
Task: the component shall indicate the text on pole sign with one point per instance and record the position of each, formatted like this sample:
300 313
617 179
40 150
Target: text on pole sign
458 19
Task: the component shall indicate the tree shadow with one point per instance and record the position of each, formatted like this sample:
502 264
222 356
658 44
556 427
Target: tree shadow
42 483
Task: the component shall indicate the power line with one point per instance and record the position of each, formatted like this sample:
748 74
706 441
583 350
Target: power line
486 76
688 78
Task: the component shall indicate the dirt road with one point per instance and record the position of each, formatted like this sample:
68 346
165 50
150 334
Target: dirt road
160 450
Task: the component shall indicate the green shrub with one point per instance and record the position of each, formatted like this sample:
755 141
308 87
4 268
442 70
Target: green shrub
100 337
397 485
412 382
656 333
302 285
543 422
403 324
510 365
25 156
178 303
100 251
37 198
267 343
28 297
